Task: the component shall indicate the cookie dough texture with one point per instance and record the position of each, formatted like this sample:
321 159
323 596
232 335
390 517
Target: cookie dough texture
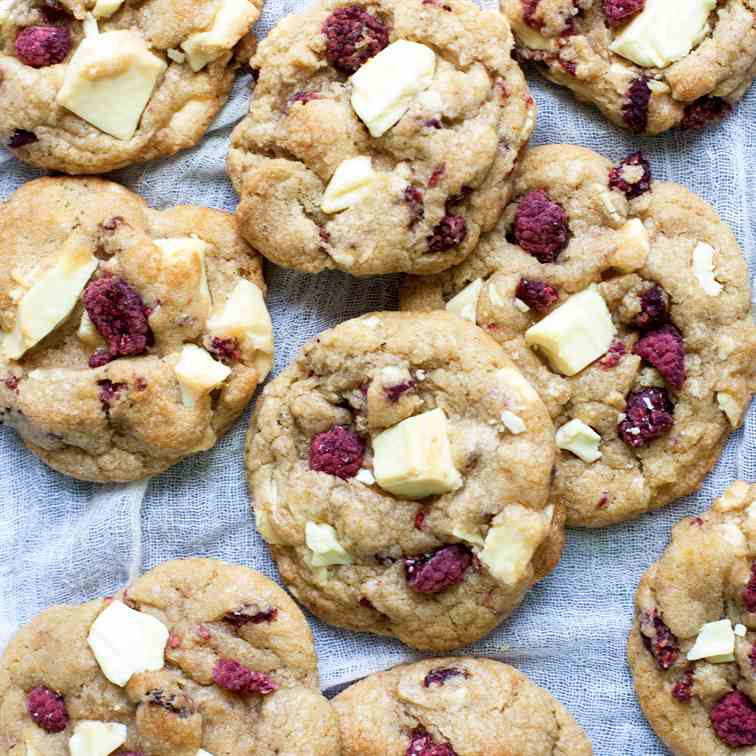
570 41
181 108
450 156
346 378
481 707
191 598
704 575
126 419
719 338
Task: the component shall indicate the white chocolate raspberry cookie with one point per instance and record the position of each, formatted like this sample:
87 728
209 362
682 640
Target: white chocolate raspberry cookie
400 469
131 338
626 302
382 135
196 658
88 86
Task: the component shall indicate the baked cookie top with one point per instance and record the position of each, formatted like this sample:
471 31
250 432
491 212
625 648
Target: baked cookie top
89 86
197 658
455 707
691 650
131 337
400 469
626 302
381 137
648 65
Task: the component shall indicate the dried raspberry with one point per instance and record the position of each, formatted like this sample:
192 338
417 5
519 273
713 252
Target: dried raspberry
47 709
40 46
617 12
20 138
304 97
422 744
540 226
231 675
664 350
120 316
432 123
612 358
54 11
529 8
635 109
174 641
420 520
414 199
437 175
438 571
250 613
734 720
536 294
631 176
11 382
658 639
113 223
203 633
648 416
441 675
225 350
704 110
353 37
338 451
749 593
654 308
109 392
394 393
449 233
683 689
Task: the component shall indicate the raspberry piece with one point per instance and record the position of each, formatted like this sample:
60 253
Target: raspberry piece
54 11
438 571
353 36
120 316
449 233
231 675
612 358
420 520
635 109
631 176
414 199
20 138
249 613
617 12
648 416
683 690
540 226
40 46
422 744
664 350
441 675
704 110
733 718
304 97
536 294
225 350
47 709
529 8
749 594
338 451
109 391
395 393
654 308
658 639
437 175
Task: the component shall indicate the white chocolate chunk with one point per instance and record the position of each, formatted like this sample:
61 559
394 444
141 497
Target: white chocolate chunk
383 89
87 332
91 29
352 181
414 460
198 374
730 406
52 297
97 738
465 304
231 23
126 642
715 641
576 334
703 268
633 246
106 8
365 476
513 423
466 535
520 305
740 630
580 439
324 545
664 31
529 37
187 254
176 55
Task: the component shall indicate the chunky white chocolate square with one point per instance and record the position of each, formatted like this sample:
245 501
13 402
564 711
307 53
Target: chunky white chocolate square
97 738
715 643
198 374
731 407
126 642
87 333
580 439
106 8
110 80
633 246
325 547
513 423
703 268
413 459
383 89
352 181
576 334
186 255
465 304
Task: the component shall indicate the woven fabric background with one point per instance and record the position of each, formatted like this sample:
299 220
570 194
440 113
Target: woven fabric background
65 541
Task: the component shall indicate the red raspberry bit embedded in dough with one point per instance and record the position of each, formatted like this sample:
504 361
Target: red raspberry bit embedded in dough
632 176
40 46
613 357
704 110
11 382
414 199
231 675
47 709
540 226
304 97
225 350
529 8
617 12
21 138
420 520
658 639
438 571
250 614
648 416
353 36
203 633
174 641
749 594
109 392
441 675
395 393
536 294
635 109
664 350
338 451
734 720
654 308
422 744
449 233
683 689
436 176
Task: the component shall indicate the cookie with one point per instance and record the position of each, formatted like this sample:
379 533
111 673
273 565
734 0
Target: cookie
648 65
196 654
382 135
89 86
131 337
399 470
455 707
626 302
